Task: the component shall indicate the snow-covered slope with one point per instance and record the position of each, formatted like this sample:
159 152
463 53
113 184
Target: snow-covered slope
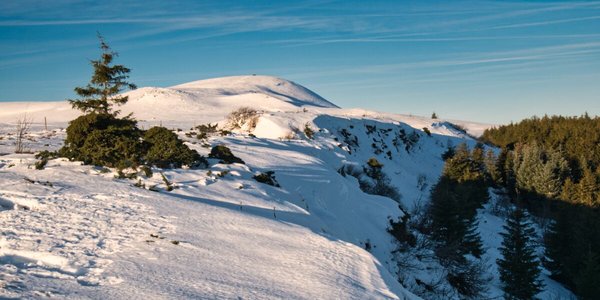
74 231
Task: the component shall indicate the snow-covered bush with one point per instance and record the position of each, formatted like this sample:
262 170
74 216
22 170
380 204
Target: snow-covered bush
243 118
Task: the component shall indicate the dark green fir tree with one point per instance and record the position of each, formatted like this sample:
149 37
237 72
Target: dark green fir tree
108 80
588 280
519 266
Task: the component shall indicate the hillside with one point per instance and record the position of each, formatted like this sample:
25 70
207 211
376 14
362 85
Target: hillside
77 231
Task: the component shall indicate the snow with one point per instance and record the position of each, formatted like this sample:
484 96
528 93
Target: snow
75 231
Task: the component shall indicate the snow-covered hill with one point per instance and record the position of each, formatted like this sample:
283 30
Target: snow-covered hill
77 232
210 99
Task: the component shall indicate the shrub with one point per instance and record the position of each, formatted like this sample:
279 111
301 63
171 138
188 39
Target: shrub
374 163
112 147
427 131
123 175
243 117
308 131
46 155
224 155
40 164
166 150
168 184
103 139
372 180
267 178
469 279
205 130
400 231
147 171
43 157
82 126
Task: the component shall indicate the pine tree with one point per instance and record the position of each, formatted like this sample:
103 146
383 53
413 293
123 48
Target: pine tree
454 223
519 267
569 191
491 166
106 83
587 188
559 240
588 280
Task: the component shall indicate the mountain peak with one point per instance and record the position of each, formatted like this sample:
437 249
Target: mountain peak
282 89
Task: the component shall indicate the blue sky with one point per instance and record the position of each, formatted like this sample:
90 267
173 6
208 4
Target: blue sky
484 61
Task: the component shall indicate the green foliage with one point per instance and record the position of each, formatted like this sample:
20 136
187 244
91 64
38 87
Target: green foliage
464 166
43 157
106 83
41 164
105 140
519 266
81 127
453 220
588 189
452 212
468 278
578 137
46 155
224 154
168 184
267 178
539 171
166 150
557 158
378 182
588 280
491 166
112 147
123 175
206 130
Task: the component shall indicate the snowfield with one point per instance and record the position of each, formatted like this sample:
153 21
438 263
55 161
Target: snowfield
76 231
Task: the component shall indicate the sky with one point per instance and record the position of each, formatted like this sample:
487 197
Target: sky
484 61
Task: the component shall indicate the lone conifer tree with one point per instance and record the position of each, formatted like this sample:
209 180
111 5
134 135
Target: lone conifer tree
107 82
519 267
